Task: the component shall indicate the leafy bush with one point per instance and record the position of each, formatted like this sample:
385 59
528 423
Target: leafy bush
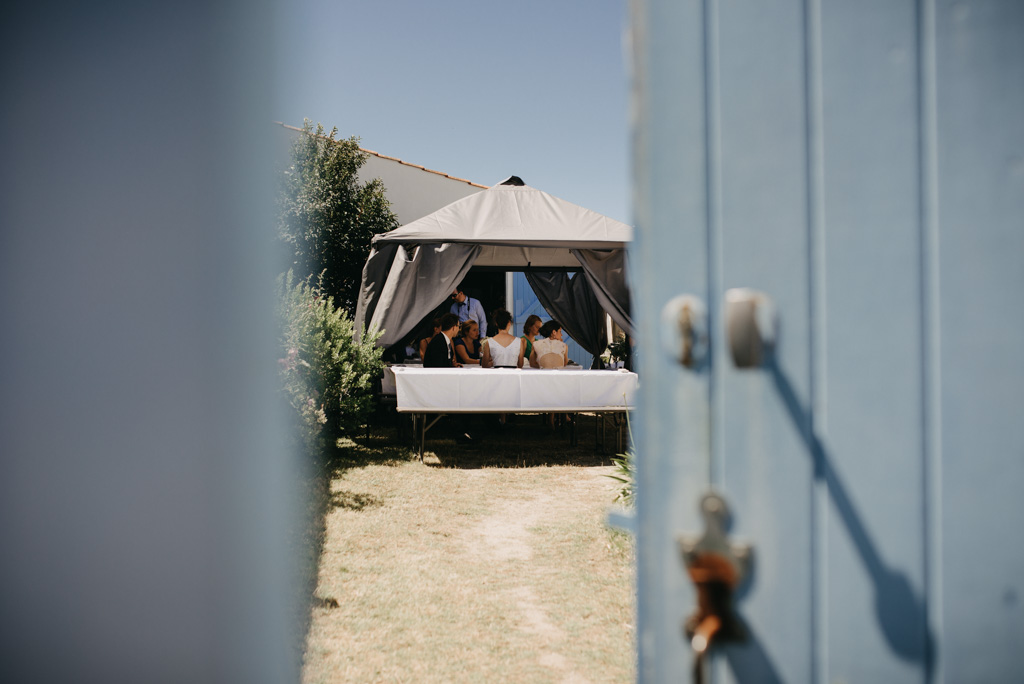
625 471
327 216
619 349
327 377
616 351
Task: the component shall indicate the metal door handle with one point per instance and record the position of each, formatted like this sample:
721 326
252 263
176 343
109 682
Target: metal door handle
750 326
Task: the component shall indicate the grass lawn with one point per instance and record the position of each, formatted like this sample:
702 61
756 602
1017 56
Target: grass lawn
488 563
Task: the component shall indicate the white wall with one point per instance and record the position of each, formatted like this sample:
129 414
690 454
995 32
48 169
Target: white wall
415 192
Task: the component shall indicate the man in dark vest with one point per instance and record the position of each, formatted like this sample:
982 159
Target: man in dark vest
440 352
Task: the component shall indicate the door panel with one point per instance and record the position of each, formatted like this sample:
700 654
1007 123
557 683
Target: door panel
671 244
761 240
862 163
980 234
870 384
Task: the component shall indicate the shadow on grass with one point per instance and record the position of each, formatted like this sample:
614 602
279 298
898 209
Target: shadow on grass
378 447
312 492
526 442
353 501
375 446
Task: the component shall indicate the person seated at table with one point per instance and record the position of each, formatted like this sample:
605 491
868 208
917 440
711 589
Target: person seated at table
503 350
439 352
530 329
467 344
550 351
427 338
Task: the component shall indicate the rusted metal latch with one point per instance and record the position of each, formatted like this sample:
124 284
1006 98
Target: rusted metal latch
717 567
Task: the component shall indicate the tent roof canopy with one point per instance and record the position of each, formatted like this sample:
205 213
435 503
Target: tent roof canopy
412 270
512 214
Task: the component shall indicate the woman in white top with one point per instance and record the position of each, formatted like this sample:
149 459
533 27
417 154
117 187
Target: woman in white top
503 350
551 351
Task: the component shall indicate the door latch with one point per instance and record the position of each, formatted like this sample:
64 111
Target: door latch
717 567
684 329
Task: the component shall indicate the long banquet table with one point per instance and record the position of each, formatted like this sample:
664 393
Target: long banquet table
421 391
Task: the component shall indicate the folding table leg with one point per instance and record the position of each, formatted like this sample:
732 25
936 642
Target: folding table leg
423 430
415 427
423 434
619 424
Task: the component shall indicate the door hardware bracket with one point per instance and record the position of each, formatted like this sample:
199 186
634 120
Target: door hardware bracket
717 566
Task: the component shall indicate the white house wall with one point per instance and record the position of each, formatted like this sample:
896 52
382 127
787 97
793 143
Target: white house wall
413 191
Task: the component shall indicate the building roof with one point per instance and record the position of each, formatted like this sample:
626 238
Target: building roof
396 159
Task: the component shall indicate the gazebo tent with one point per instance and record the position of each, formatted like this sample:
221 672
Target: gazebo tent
412 269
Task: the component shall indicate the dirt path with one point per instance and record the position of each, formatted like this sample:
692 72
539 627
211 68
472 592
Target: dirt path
472 575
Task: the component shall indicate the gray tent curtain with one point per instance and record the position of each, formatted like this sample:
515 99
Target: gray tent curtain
420 278
572 303
606 272
374 275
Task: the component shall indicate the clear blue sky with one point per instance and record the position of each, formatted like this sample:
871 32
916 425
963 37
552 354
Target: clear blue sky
480 90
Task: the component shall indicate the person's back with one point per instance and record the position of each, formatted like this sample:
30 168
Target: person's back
503 350
509 355
551 351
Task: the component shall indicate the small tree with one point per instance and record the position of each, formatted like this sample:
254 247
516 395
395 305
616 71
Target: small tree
327 216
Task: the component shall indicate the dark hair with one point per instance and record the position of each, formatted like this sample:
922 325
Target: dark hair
449 321
533 318
550 327
466 325
437 322
502 318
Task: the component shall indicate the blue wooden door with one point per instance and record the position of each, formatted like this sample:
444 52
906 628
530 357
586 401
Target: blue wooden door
862 164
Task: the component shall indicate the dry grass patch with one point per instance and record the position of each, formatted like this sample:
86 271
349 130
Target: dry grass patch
472 574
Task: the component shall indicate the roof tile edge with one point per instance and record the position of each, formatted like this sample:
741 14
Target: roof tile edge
396 159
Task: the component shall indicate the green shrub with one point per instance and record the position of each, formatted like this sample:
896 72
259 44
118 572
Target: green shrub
625 471
328 216
619 349
327 377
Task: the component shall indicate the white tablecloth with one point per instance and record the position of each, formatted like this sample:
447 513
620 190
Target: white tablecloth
481 390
